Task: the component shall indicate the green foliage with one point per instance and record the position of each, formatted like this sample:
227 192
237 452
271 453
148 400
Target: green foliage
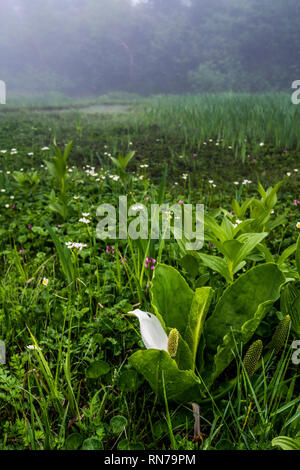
64 255
286 443
121 162
27 182
67 373
57 168
235 319
160 369
238 314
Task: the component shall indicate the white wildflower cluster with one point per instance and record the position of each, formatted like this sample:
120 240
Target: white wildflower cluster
91 171
77 246
237 222
84 219
114 177
137 207
33 347
13 151
144 166
184 176
246 182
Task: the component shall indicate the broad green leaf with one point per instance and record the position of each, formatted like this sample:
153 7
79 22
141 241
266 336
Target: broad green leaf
184 357
236 207
232 247
271 198
242 226
228 227
118 424
268 255
74 441
279 221
181 385
245 206
261 191
68 150
216 264
211 224
196 319
129 381
286 443
238 314
171 297
92 443
286 254
96 369
253 239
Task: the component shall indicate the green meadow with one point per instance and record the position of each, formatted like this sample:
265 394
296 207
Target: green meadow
218 365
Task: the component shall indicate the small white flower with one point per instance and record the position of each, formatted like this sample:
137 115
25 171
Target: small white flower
84 220
45 281
45 148
32 346
137 207
288 174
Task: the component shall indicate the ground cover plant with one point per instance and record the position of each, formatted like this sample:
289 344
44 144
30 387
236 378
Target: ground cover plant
215 365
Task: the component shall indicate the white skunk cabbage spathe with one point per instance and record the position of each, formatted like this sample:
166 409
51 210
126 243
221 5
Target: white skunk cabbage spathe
152 332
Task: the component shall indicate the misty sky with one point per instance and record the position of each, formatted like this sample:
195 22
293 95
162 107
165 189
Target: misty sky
93 47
